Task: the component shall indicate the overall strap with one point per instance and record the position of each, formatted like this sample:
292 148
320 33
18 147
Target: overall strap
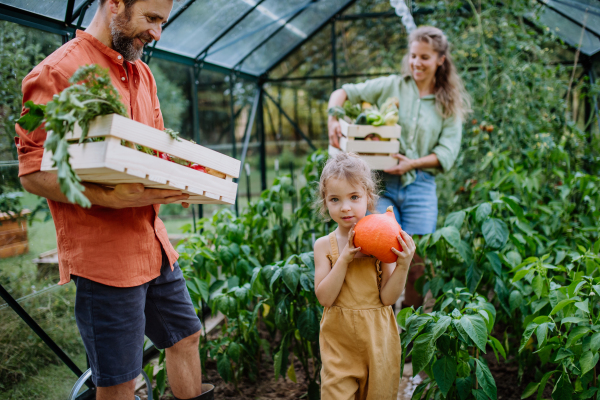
334 246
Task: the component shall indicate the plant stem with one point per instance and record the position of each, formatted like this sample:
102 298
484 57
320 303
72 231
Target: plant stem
484 52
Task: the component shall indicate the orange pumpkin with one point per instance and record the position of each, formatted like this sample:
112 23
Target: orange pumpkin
376 234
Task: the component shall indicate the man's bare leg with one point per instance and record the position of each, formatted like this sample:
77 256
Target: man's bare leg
124 391
183 368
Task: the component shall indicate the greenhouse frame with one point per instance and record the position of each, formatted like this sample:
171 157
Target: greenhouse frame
247 40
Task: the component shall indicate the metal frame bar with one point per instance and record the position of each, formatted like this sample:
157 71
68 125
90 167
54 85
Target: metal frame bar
80 9
227 30
177 58
26 18
377 15
178 13
194 75
326 77
249 126
261 132
302 42
69 12
276 31
334 54
41 333
296 127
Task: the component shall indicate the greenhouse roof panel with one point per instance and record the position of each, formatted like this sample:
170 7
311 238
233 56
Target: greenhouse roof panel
253 36
196 27
311 18
56 9
583 11
569 31
268 18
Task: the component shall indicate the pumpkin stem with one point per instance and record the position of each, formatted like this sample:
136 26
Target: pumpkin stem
390 209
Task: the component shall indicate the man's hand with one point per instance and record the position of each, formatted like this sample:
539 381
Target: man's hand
335 131
405 164
126 195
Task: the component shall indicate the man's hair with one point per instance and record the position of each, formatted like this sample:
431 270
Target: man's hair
128 3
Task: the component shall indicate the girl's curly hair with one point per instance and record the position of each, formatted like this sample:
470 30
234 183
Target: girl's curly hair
349 167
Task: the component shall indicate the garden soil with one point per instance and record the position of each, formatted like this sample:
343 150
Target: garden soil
267 387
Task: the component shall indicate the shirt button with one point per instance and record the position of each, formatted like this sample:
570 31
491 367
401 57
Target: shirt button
123 78
119 57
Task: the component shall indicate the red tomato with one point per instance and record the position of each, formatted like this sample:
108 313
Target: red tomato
198 167
164 156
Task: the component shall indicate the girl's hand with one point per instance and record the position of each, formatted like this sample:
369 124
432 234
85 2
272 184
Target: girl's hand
408 250
349 251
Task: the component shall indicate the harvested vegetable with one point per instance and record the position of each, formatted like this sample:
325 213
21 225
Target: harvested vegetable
376 234
90 95
368 114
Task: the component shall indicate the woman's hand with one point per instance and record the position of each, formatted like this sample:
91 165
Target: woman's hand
405 164
408 250
349 251
335 131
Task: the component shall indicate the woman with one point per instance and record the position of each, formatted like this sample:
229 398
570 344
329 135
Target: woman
433 105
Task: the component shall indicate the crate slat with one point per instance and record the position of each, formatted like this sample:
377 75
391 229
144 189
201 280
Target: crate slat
110 163
368 150
138 133
370 146
360 131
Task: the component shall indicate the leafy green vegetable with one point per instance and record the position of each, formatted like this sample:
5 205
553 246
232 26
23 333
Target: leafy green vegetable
91 94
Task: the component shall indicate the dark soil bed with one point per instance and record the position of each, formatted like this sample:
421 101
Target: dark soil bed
506 375
266 387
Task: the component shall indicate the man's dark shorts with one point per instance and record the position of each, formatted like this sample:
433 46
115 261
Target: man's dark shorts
112 322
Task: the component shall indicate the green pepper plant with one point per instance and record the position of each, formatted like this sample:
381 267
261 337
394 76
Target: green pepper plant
446 345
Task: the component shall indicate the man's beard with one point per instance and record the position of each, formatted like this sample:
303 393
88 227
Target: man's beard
123 42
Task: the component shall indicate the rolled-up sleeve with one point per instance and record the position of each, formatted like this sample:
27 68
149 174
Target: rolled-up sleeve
369 91
39 87
448 145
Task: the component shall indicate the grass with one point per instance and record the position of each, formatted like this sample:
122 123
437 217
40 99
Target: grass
28 368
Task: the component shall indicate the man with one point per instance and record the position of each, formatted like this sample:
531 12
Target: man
117 252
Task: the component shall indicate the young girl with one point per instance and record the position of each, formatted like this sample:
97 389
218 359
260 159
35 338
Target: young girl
360 345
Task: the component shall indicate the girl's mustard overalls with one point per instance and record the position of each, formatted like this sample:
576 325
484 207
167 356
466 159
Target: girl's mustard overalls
360 345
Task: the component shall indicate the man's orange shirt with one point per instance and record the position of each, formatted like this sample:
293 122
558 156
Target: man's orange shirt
116 247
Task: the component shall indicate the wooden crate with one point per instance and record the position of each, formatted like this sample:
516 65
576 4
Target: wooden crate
109 162
13 234
376 153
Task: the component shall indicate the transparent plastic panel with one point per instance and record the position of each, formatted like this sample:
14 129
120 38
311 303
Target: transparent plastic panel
363 50
200 24
50 8
256 27
313 58
91 11
285 40
577 11
569 31
174 88
89 14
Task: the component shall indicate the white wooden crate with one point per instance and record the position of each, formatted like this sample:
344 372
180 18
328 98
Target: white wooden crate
110 163
376 153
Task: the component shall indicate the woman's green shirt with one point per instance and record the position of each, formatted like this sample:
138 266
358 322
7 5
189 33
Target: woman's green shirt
424 130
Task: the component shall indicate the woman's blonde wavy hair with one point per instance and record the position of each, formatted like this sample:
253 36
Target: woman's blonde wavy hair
349 167
450 94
